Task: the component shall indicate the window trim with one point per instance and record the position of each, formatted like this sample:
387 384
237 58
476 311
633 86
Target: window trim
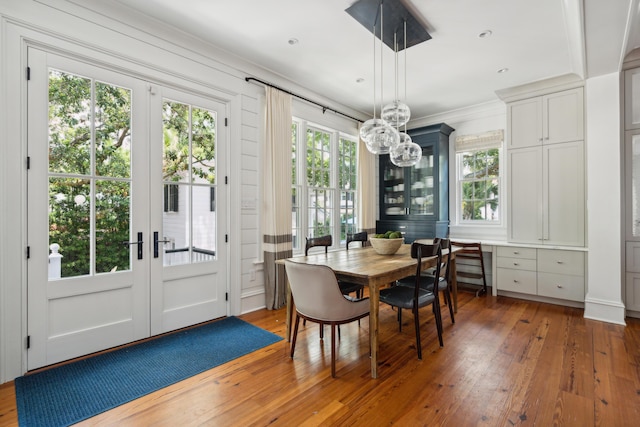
301 182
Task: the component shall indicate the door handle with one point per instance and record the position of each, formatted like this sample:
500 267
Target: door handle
139 243
156 252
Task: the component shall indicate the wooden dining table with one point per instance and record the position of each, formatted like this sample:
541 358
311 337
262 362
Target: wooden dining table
375 271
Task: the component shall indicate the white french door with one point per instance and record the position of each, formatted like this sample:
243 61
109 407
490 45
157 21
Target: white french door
123 227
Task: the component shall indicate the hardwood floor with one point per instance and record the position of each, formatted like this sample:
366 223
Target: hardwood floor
505 362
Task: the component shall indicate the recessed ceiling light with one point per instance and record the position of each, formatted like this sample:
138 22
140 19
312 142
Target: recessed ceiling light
293 41
485 34
502 70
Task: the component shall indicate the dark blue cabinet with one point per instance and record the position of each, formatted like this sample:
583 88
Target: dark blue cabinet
415 200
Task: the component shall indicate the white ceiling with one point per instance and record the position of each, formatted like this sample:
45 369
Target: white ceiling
535 40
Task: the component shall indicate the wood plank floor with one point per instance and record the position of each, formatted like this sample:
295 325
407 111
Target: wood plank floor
505 362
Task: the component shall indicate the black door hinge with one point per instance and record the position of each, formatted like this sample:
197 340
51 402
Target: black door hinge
28 252
28 342
28 73
226 238
28 162
226 296
226 180
226 122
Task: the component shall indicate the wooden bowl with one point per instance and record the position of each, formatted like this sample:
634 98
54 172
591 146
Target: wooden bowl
386 246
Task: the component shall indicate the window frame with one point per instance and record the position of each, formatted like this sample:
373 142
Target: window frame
300 210
501 188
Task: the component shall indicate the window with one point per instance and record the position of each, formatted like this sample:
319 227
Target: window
479 177
171 198
324 184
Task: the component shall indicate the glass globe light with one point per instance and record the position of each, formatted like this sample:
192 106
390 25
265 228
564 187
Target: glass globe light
382 138
366 130
396 113
406 154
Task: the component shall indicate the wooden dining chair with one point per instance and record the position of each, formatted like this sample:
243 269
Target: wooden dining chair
443 280
473 262
349 287
415 297
319 299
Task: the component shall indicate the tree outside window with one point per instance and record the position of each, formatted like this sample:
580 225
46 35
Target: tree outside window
479 185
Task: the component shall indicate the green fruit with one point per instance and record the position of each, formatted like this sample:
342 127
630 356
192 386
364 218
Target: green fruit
395 235
387 234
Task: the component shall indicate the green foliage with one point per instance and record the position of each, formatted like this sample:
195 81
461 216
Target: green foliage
480 190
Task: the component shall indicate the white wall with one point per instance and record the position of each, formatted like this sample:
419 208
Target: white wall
604 199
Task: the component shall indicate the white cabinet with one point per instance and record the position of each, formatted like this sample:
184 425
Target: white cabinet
551 273
546 194
545 166
548 119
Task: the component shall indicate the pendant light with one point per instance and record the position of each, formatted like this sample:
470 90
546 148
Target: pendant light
378 135
407 153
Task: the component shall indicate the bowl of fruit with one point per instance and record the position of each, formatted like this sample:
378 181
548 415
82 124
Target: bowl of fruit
387 243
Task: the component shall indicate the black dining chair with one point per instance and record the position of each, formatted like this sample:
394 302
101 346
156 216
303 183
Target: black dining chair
415 297
348 287
427 279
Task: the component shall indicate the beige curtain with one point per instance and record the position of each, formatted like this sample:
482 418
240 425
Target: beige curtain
366 186
276 183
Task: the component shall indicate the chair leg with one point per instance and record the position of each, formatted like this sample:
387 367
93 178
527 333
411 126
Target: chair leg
438 317
333 350
418 344
295 335
321 330
399 319
447 295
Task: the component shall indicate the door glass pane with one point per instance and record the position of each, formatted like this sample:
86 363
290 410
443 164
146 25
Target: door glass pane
69 123
422 187
393 196
70 225
89 136
189 181
112 219
113 133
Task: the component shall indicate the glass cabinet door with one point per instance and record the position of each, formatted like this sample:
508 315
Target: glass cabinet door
421 192
393 197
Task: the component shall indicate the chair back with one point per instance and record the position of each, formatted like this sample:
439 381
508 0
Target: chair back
422 250
325 241
316 293
445 244
357 237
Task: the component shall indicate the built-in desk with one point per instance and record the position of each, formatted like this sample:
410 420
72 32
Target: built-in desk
553 274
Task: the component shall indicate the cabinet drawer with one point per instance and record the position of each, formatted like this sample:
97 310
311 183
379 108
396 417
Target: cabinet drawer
516 263
561 286
515 252
561 262
522 281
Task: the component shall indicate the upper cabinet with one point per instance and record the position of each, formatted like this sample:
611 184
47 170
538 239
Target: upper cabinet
415 200
546 170
547 119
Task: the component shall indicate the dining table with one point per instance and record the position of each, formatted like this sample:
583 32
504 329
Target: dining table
374 271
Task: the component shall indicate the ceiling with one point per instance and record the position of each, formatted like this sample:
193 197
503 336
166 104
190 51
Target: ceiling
334 54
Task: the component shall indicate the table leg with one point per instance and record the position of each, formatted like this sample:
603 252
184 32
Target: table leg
374 306
454 284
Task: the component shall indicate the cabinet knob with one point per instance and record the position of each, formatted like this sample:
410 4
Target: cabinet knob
515 281
515 263
559 286
560 262
516 252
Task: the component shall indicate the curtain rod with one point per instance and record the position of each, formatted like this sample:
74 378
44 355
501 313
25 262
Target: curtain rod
324 107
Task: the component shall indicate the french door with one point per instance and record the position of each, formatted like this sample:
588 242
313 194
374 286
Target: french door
123 227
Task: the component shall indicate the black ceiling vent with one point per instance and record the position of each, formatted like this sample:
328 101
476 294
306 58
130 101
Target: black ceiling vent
367 12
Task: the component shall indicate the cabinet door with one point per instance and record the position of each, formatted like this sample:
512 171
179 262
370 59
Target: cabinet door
392 190
524 123
564 204
422 183
525 195
563 116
